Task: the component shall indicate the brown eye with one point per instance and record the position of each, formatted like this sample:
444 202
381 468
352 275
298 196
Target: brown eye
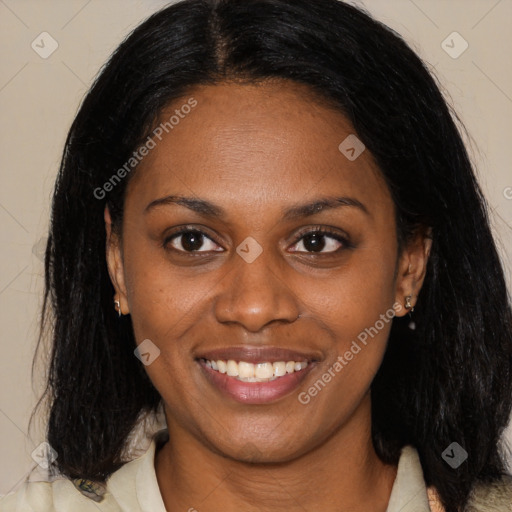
190 241
321 241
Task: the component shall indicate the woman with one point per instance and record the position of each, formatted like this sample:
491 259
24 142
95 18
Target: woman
270 256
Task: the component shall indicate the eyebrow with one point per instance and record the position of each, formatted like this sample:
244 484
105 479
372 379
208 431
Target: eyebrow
208 209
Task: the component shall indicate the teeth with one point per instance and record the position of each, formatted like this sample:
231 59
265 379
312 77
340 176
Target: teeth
259 372
245 369
264 371
279 368
232 369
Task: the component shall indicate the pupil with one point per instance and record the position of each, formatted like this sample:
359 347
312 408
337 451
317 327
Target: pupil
314 242
191 241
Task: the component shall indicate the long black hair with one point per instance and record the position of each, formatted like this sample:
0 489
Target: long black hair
449 380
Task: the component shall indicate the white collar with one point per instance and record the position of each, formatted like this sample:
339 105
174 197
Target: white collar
136 482
409 492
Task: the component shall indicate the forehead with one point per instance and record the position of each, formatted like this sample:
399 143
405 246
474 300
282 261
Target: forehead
245 145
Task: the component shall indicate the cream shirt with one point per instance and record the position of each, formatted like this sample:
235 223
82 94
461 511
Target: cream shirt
134 488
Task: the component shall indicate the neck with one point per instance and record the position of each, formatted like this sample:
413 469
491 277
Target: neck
342 474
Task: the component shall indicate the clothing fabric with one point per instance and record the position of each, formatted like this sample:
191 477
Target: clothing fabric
134 488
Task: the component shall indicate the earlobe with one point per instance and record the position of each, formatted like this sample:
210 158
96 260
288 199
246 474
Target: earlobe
412 270
115 265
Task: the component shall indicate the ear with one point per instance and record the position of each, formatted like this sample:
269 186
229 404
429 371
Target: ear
115 265
412 267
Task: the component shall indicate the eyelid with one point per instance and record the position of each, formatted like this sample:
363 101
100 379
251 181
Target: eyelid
324 230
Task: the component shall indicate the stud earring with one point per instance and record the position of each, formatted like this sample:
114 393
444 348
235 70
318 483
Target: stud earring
409 306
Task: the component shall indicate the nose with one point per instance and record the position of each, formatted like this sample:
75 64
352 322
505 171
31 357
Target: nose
255 294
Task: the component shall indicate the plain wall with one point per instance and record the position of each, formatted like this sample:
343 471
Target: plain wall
40 96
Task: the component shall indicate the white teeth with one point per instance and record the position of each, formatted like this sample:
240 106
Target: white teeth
245 369
259 372
280 368
232 368
264 371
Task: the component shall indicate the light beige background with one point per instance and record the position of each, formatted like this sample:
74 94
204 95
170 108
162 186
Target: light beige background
39 98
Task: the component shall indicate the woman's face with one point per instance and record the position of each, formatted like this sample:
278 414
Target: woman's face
248 158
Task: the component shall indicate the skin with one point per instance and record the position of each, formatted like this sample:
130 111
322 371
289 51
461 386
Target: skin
254 150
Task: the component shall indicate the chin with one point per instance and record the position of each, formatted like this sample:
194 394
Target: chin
260 450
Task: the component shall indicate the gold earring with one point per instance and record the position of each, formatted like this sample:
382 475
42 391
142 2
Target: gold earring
408 305
118 307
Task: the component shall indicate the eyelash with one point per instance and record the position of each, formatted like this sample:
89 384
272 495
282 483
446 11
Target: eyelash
321 230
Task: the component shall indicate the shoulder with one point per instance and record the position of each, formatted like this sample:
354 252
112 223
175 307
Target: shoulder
492 497
485 497
133 481
56 496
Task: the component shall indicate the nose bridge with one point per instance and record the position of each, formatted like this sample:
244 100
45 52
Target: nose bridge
255 294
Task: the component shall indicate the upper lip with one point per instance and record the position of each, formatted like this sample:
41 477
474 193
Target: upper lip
258 354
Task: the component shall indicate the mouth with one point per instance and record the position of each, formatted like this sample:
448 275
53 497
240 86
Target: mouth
245 371
256 375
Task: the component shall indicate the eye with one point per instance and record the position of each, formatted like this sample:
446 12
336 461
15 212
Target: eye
190 240
318 239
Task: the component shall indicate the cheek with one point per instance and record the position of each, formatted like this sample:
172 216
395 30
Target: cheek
355 295
360 313
163 306
160 298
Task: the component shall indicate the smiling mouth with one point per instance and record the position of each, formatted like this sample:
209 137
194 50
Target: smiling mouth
254 375
254 372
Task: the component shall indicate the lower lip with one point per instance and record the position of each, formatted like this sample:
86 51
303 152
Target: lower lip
255 392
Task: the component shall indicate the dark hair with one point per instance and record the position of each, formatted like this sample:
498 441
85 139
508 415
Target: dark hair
448 380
